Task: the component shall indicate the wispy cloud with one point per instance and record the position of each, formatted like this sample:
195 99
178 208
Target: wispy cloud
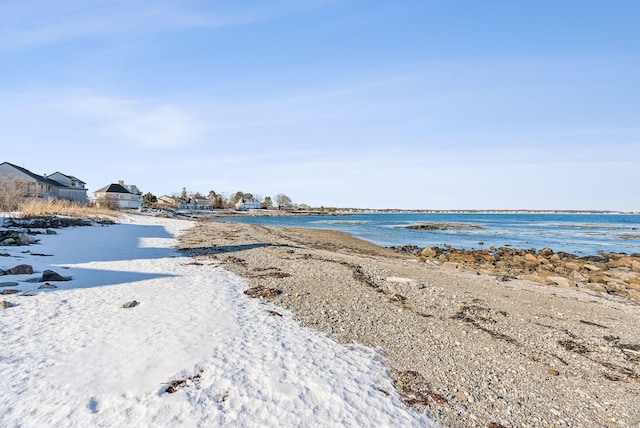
143 124
41 22
127 122
162 127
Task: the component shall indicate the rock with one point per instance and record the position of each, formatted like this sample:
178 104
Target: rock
578 276
633 295
450 265
20 270
623 274
49 275
546 252
572 266
4 304
15 237
553 372
24 239
615 287
462 257
595 286
428 252
51 232
563 282
46 285
633 285
131 304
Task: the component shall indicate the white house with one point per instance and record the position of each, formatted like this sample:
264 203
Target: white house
248 204
56 185
121 193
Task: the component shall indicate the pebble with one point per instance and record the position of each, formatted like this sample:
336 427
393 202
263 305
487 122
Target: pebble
516 330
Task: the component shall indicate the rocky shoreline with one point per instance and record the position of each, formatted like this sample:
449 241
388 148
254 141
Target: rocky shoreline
473 339
612 274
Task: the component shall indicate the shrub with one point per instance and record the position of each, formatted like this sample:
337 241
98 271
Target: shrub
48 207
11 194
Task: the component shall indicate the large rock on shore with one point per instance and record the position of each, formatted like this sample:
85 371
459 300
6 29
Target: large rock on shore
20 270
616 274
15 237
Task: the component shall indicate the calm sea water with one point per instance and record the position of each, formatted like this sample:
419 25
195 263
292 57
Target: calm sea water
582 234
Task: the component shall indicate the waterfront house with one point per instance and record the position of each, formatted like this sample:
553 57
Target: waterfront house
165 201
127 196
57 185
248 204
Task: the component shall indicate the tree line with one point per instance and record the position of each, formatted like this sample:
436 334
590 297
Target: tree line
223 200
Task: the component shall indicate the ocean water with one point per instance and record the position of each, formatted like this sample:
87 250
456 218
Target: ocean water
581 234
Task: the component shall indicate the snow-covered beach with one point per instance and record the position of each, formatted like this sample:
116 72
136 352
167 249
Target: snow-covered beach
74 356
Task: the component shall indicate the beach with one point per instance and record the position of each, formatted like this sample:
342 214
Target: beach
466 347
107 324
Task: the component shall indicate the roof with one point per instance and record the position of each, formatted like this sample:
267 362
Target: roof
70 177
112 188
37 177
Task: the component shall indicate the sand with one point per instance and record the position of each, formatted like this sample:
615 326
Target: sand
467 349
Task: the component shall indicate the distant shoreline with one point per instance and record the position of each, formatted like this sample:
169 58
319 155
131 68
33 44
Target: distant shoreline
355 211
401 211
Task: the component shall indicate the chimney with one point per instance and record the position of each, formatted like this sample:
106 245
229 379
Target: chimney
121 182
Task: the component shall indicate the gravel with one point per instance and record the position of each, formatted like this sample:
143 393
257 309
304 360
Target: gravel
468 349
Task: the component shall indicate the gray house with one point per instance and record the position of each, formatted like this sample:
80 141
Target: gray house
57 185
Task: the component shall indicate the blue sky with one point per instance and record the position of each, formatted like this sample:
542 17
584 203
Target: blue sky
444 104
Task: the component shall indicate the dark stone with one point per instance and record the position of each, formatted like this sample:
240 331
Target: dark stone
47 285
49 275
47 222
131 304
20 270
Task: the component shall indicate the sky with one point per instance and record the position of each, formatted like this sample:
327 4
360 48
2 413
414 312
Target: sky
413 104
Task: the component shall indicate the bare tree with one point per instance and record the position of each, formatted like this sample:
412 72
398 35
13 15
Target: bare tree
283 200
12 193
109 202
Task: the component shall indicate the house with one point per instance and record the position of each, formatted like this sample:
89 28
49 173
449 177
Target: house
248 204
123 194
201 204
168 202
191 203
73 186
56 185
